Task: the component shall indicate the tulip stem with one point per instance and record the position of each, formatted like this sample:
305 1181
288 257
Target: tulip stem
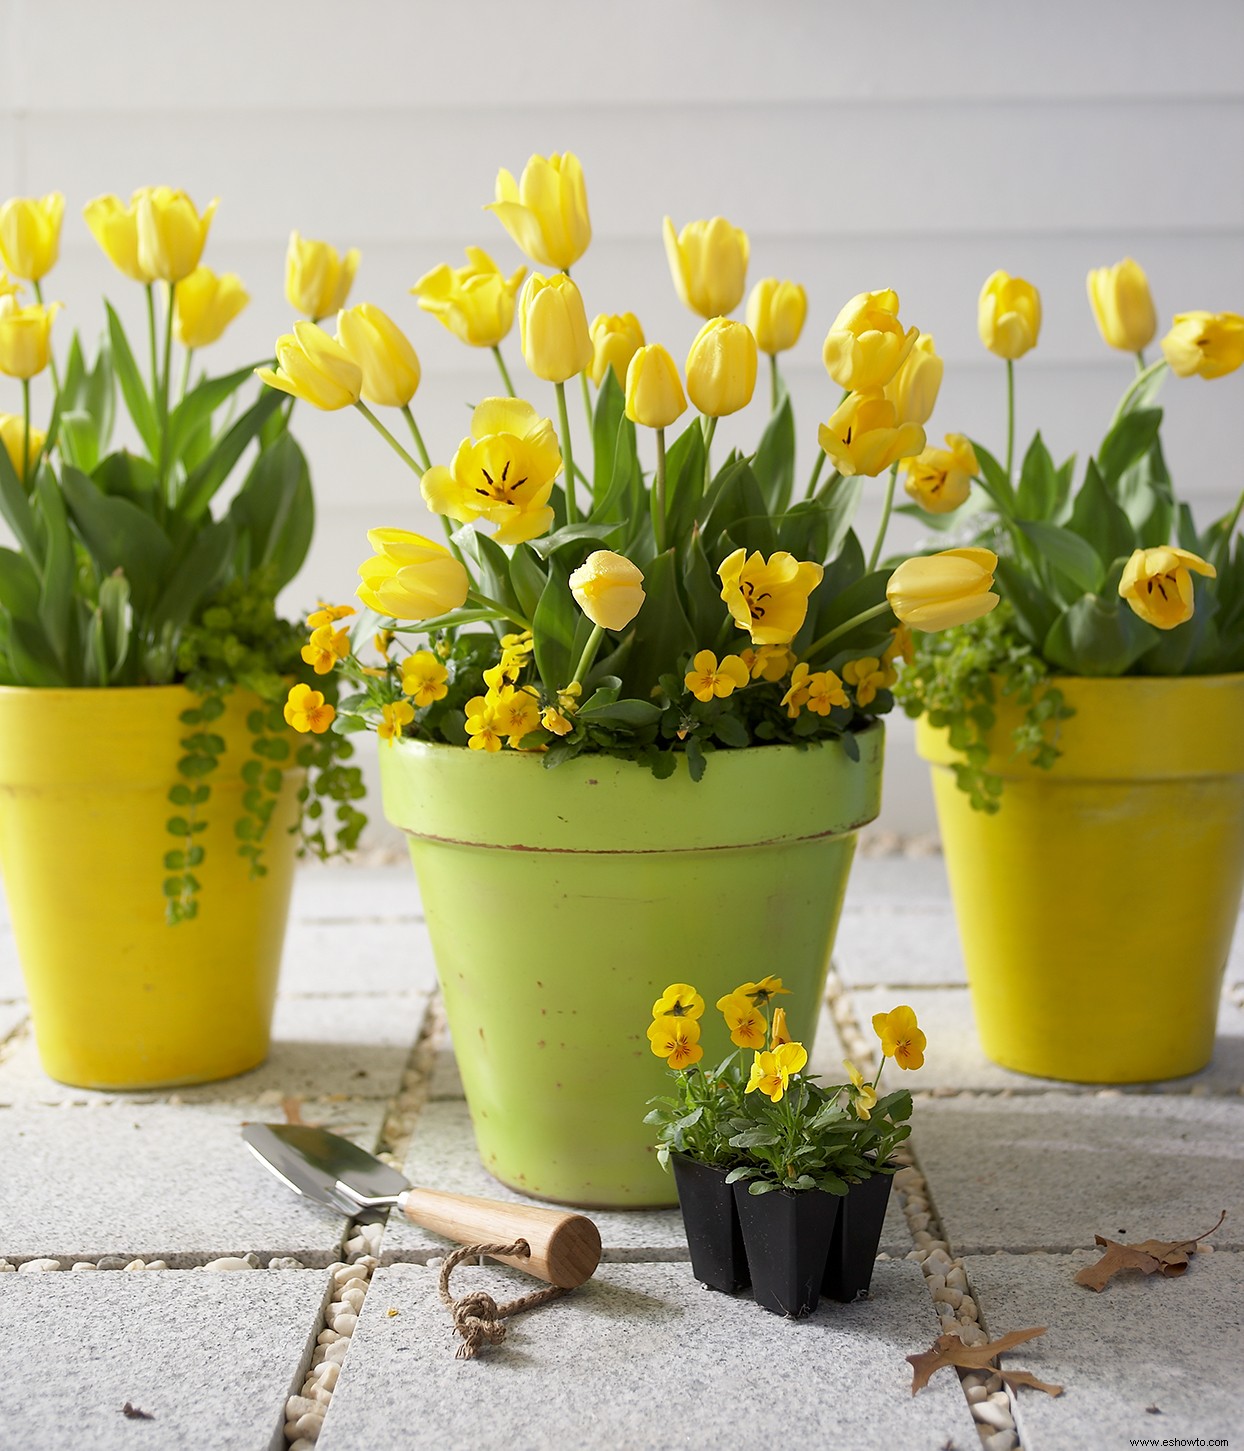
151 338
38 286
572 513
420 446
1141 365
1134 387
1010 418
658 495
505 372
164 381
773 383
839 630
587 403
709 425
589 654
487 602
185 375
827 487
885 518
816 472
26 432
385 434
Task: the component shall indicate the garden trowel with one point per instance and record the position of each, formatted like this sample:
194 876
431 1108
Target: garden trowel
565 1248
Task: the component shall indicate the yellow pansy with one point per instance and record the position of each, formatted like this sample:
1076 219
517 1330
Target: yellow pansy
475 302
424 678
940 479
171 233
936 591
819 690
1210 344
914 388
768 597
616 338
555 722
114 225
317 277
708 262
314 367
775 313
410 577
516 713
707 679
901 646
867 676
654 395
864 1099
25 337
325 648
21 452
394 718
502 473
481 724
1009 315
1123 305
743 1019
306 710
679 1000
1157 584
866 343
391 372
545 211
721 367
767 662
771 1072
205 304
763 991
609 589
553 328
327 614
30 234
779 1033
901 1038
864 435
677 1040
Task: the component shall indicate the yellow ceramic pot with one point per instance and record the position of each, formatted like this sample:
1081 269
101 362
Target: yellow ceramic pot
1096 908
118 998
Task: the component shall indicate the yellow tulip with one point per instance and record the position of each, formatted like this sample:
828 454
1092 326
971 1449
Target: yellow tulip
25 337
546 210
9 288
654 396
171 233
1123 305
1208 343
475 302
914 388
1009 315
1157 584
30 234
864 435
317 278
866 344
609 589
314 367
708 262
390 365
721 367
616 338
204 305
553 328
775 313
933 592
502 473
410 577
114 225
13 437
768 597
940 479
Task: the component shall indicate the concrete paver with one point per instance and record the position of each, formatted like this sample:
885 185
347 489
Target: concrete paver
331 958
879 942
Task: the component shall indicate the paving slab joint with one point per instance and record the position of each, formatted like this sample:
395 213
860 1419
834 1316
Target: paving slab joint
305 1410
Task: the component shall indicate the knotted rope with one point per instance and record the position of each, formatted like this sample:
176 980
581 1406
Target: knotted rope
477 1316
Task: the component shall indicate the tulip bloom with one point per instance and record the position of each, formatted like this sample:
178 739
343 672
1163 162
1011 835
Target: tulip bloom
503 472
114 225
13 438
1208 343
914 388
317 279
864 435
654 396
1157 584
410 577
867 344
935 591
616 338
475 302
708 262
204 305
940 479
25 337
776 312
546 210
30 234
1009 315
382 350
721 367
553 328
768 597
609 589
314 367
1123 305
171 233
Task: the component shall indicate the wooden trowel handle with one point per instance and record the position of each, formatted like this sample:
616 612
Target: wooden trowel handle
565 1248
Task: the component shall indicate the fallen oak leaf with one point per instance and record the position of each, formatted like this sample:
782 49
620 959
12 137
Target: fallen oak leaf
1150 1256
950 1350
1015 1378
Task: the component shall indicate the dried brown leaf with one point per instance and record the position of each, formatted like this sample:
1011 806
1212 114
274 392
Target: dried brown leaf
132 1413
950 1350
1025 1378
1167 1257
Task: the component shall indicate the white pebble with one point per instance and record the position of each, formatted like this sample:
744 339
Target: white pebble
84 1265
299 1406
343 1274
915 1203
137 1265
976 1394
326 1374
919 1221
994 1383
6 1268
284 1262
967 1307
946 1296
371 1232
995 1416
344 1324
229 1262
957 1279
306 1427
1002 1441
319 1395
302 1444
935 1283
973 1335
326 1337
354 1298
975 1378
38 1267
354 1246
336 1352
1000 1398
355 1282
319 1355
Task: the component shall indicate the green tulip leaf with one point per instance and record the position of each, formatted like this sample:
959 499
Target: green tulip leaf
196 409
1038 494
1098 636
572 534
17 512
19 586
197 492
553 626
274 511
527 579
1129 439
119 535
774 460
1099 521
133 389
1069 556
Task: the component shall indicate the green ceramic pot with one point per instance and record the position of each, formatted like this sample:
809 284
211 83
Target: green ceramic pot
560 903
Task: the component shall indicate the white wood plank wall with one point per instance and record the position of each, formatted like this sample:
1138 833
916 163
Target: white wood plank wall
911 145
